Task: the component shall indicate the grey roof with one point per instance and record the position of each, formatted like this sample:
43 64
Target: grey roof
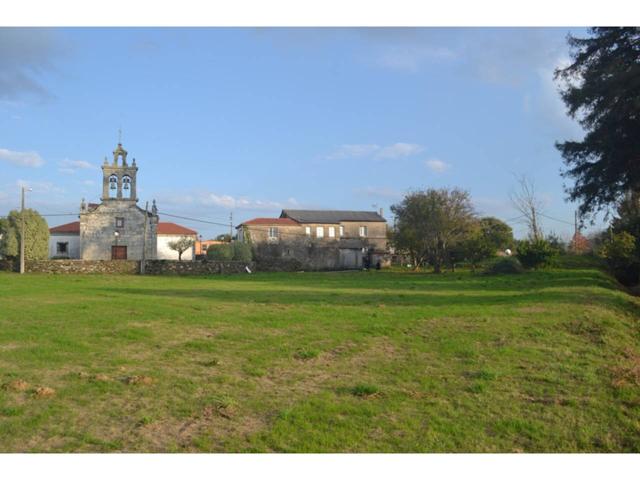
331 216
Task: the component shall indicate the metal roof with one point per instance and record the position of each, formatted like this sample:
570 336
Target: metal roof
331 216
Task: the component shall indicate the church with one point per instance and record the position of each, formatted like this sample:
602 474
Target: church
117 228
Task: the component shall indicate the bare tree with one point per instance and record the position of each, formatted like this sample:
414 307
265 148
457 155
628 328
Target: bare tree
181 245
530 207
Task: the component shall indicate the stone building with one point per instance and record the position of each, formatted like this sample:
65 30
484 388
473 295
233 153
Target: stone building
321 238
117 228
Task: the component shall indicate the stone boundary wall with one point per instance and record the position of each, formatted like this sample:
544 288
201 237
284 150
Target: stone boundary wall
8 265
130 267
202 267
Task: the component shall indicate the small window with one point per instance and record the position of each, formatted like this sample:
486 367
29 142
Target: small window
119 222
273 233
363 231
341 231
319 232
62 248
332 232
307 230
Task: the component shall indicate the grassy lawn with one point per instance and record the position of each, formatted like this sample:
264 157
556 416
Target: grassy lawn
320 362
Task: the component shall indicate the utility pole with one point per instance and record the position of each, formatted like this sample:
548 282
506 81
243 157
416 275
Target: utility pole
22 230
144 239
230 227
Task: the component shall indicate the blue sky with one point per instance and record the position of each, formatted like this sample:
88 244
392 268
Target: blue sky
251 121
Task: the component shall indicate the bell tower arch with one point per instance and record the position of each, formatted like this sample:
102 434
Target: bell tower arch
119 177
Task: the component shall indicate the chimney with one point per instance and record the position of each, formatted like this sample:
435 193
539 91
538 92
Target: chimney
381 212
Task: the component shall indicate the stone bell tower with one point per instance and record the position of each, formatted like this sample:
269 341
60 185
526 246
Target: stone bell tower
119 178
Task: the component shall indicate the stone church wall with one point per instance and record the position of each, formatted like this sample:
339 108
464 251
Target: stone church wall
97 229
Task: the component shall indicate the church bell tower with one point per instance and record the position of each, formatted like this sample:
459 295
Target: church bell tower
119 178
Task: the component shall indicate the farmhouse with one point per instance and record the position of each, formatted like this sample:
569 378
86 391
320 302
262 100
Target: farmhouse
117 228
325 238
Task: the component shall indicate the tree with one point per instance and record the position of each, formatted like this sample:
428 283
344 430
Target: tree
224 237
477 247
36 232
620 253
529 205
181 245
431 223
601 89
497 233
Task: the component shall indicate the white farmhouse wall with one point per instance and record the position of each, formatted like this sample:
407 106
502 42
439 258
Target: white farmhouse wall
165 253
73 248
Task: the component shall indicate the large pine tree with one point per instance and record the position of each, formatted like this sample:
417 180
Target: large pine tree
602 91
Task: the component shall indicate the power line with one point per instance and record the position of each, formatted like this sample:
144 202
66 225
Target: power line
556 219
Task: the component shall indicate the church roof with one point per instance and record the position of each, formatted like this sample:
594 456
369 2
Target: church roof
270 221
164 228
73 228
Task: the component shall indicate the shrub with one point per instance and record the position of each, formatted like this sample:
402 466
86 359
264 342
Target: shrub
504 265
220 253
242 252
236 251
535 253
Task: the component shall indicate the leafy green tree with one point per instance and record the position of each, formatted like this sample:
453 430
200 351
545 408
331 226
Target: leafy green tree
478 247
36 230
431 223
496 233
601 89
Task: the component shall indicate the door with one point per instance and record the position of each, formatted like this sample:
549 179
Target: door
119 252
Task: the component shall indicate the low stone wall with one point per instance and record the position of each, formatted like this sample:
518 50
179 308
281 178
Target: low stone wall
203 267
83 266
8 265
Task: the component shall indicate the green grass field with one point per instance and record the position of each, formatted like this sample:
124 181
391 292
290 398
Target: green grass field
320 362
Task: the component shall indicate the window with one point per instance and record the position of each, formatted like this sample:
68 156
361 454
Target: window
341 231
307 230
273 233
119 222
62 248
319 232
363 231
332 232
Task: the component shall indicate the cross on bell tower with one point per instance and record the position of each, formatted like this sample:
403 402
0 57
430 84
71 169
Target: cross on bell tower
119 178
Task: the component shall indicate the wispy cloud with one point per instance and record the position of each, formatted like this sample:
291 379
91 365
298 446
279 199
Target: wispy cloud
22 159
372 150
411 57
72 166
379 192
225 201
436 165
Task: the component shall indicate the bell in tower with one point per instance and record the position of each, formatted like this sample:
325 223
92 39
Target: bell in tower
119 179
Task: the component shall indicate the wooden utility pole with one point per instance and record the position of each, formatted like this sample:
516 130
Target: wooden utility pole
230 227
144 239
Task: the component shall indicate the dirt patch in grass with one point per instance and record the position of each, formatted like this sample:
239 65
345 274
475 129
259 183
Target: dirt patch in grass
588 329
628 372
138 380
17 385
43 392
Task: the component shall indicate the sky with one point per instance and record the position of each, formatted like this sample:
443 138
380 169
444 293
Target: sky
248 121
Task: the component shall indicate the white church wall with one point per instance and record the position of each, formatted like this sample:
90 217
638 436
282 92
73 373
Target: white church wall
165 253
72 241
